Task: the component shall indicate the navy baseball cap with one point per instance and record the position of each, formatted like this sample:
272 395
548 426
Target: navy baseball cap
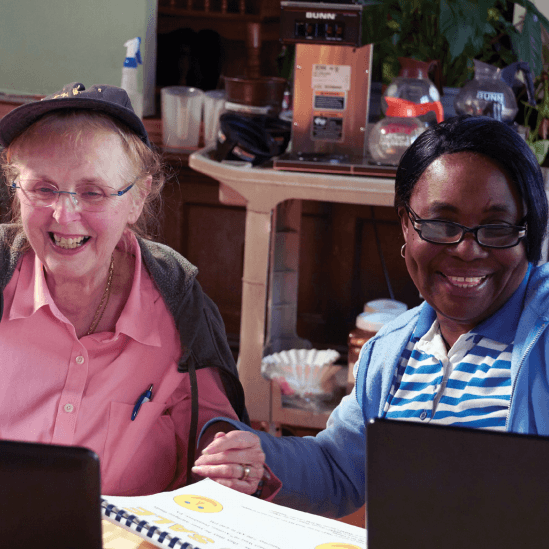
101 98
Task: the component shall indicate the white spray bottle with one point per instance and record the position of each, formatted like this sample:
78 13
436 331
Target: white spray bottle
130 74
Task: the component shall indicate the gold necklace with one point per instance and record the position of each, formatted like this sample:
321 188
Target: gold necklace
104 300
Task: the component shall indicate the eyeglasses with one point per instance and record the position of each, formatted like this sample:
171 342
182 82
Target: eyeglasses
91 198
447 232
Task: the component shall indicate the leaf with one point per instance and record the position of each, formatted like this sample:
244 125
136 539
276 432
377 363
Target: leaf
540 148
458 37
530 7
532 29
527 43
464 23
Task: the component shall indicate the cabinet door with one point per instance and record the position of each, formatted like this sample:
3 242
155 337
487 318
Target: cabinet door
211 236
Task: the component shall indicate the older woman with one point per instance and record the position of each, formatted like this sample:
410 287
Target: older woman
107 340
473 211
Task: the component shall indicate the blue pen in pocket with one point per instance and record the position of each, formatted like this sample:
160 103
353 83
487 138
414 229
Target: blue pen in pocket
145 397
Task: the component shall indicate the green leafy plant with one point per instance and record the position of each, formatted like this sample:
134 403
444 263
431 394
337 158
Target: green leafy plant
454 32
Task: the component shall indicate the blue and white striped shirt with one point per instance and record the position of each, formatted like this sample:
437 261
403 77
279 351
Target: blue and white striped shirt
470 385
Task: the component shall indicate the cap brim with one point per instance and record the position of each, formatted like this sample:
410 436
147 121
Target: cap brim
20 118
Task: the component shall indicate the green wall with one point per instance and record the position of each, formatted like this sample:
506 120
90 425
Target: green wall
45 44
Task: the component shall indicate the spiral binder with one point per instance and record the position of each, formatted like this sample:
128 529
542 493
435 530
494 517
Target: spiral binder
143 528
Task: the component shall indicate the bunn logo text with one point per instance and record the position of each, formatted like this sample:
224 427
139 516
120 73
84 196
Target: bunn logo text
319 15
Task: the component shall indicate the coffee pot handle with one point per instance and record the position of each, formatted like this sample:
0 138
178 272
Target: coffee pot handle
508 76
435 69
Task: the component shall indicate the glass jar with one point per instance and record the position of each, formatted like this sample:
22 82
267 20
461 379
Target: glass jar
376 314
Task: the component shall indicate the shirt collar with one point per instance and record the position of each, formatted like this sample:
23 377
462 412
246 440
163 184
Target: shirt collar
501 326
138 319
432 343
31 292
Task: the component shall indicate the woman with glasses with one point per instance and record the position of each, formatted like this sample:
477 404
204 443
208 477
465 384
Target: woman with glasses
472 205
106 338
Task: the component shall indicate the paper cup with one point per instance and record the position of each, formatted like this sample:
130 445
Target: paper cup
181 115
214 106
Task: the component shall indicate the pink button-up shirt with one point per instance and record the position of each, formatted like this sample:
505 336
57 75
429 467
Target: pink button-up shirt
56 388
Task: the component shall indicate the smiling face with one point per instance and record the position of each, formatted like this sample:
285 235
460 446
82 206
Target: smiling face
465 283
72 243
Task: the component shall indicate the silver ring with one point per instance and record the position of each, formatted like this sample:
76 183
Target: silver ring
246 469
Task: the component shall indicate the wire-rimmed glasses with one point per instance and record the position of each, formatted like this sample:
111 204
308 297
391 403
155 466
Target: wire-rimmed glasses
89 197
447 232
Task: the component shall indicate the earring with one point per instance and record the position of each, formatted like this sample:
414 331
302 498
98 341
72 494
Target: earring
402 251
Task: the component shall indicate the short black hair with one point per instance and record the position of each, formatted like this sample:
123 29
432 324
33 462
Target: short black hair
497 141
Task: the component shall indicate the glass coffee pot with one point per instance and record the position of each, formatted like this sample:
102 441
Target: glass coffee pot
490 93
413 84
392 135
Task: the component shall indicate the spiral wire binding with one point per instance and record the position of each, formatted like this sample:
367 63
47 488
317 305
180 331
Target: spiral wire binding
153 532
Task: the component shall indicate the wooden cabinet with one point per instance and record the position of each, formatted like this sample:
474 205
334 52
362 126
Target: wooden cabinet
342 263
242 35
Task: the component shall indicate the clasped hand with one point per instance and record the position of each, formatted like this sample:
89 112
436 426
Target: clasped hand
234 459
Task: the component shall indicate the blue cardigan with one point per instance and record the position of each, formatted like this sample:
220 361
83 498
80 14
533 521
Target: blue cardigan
326 474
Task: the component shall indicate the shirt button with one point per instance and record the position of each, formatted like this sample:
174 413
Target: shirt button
69 408
80 360
423 415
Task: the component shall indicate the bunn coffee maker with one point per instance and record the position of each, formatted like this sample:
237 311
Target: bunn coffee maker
331 93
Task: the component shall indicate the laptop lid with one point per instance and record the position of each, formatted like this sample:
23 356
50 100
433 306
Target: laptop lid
49 496
431 486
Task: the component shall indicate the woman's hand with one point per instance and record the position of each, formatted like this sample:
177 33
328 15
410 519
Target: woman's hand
233 459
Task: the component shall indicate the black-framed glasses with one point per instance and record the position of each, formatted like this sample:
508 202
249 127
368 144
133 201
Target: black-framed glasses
90 197
448 232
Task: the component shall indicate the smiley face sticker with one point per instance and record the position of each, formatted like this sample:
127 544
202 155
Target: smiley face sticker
199 504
